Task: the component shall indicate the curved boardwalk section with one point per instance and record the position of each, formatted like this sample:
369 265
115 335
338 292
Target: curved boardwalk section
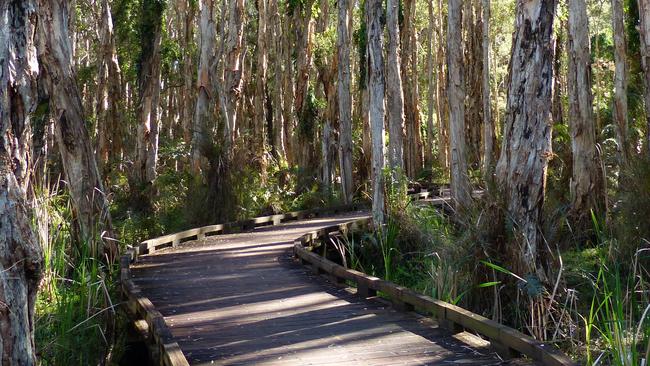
240 299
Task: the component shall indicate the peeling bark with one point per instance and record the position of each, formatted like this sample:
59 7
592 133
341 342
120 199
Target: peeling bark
275 41
394 92
521 170
376 106
460 187
109 93
620 81
587 191
149 87
83 178
344 99
489 135
644 31
21 257
201 142
233 71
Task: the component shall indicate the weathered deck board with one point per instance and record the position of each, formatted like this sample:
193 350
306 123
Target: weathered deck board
240 300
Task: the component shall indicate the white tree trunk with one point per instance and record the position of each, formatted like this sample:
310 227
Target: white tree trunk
188 11
586 182
345 99
277 90
233 70
620 81
432 86
488 123
376 106
204 99
460 187
21 257
259 127
522 166
394 92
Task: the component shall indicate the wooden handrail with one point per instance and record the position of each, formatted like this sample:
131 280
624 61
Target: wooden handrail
164 350
503 338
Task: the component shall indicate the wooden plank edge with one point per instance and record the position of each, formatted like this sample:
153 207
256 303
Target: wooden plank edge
496 332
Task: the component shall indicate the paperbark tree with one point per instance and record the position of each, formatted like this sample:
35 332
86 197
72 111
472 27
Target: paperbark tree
109 92
277 91
431 90
473 67
260 111
442 107
394 92
188 9
587 191
413 157
233 71
84 181
620 81
522 166
201 141
644 31
376 106
149 89
488 123
344 99
460 187
21 257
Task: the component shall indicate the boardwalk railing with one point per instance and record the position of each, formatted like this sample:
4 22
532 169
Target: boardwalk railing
151 323
504 339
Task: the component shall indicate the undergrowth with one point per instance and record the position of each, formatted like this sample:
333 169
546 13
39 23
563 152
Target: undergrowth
595 305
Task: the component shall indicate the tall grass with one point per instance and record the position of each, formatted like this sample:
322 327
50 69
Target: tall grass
75 313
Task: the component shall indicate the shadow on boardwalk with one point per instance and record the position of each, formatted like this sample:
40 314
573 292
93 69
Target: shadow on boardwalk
240 300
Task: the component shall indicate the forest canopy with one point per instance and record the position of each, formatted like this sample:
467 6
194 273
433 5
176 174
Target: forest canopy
123 120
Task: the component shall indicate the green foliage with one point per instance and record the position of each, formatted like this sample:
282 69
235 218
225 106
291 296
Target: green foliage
310 116
76 303
361 40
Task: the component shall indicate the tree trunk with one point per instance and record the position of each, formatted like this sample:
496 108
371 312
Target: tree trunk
620 81
21 257
288 87
260 114
644 32
188 9
522 166
472 31
304 32
460 187
413 143
376 106
344 99
109 93
149 87
442 107
233 71
201 141
277 91
488 123
394 92
83 178
431 89
327 71
587 191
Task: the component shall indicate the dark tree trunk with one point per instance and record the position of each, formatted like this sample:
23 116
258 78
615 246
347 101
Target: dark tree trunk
522 166
73 140
21 257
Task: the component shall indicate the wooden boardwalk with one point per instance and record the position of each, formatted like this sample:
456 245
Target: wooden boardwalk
240 299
